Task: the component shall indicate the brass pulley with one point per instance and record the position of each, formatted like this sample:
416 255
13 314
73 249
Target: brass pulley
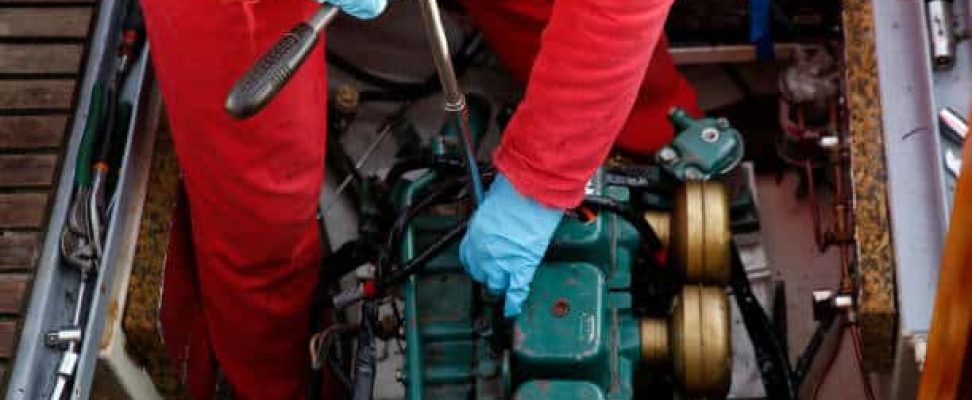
661 223
654 342
701 234
696 341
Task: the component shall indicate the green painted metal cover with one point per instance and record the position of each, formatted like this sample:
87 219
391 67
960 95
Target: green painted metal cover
559 390
560 332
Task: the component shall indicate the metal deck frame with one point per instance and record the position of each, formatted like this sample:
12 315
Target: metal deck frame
919 189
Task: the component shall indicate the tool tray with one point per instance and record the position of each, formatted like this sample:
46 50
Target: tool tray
55 285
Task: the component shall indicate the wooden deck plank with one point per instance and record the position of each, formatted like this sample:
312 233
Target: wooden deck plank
68 22
40 58
22 210
19 250
8 330
27 169
29 132
22 94
12 291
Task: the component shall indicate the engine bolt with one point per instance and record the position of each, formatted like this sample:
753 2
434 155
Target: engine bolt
667 155
710 135
693 174
723 123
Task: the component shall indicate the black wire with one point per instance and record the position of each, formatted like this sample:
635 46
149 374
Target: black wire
338 370
399 322
805 361
405 166
418 262
451 185
600 203
771 356
365 360
407 214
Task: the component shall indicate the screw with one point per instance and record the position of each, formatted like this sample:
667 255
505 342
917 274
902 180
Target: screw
710 135
723 123
693 174
667 155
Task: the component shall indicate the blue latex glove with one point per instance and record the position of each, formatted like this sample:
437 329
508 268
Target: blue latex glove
362 9
505 242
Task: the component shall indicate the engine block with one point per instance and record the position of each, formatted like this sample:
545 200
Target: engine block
582 333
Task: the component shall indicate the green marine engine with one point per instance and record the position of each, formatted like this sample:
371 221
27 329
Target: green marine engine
605 319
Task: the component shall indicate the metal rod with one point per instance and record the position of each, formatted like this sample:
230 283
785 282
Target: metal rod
435 33
385 132
455 100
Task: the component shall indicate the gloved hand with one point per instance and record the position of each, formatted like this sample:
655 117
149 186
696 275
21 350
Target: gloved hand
363 9
505 242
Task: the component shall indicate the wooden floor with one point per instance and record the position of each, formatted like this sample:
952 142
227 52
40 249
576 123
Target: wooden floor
42 47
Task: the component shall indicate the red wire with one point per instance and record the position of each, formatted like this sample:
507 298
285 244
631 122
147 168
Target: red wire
856 342
865 381
830 362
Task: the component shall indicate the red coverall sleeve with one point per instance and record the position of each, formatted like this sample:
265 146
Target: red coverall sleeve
584 82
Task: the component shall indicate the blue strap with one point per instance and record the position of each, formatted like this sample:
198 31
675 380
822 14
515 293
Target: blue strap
760 31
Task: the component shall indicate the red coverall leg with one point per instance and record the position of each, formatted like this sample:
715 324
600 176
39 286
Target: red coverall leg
252 186
590 55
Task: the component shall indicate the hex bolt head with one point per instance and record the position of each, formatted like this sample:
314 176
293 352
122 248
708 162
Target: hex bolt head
693 174
723 123
667 155
347 99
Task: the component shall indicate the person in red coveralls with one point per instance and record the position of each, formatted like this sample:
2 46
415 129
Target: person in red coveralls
597 74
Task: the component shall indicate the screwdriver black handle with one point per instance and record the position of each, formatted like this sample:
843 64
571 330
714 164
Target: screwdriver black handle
272 71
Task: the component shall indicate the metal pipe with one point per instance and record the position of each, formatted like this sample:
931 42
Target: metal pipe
455 100
435 33
414 355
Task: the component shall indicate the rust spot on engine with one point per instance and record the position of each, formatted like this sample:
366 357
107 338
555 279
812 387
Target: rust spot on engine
561 308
